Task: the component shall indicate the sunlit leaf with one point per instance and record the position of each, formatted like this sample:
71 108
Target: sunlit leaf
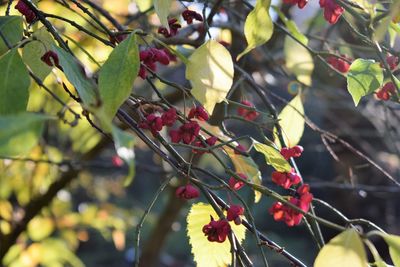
57 252
14 83
20 133
39 228
393 242
291 121
76 76
258 27
210 70
363 78
12 30
344 250
34 50
247 166
298 60
206 253
117 75
162 9
384 24
292 27
273 157
124 146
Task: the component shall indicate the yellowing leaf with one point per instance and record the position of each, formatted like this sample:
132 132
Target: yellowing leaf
273 157
298 60
206 253
258 27
162 9
344 250
291 120
40 228
393 242
247 166
210 70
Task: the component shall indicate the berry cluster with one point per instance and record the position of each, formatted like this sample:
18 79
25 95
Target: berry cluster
332 11
25 10
392 61
386 91
187 192
217 231
341 63
149 58
236 184
248 114
174 26
281 211
155 123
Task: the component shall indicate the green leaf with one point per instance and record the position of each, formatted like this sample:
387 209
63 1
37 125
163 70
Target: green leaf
210 70
20 132
298 60
14 83
363 78
247 166
273 157
117 75
393 242
291 26
383 27
344 250
12 30
75 73
34 50
162 10
206 253
291 121
39 228
258 27
124 143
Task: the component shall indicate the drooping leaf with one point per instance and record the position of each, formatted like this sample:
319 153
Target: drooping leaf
363 78
258 27
117 75
344 250
20 132
298 60
14 83
34 50
162 9
393 242
210 70
273 157
291 121
39 228
247 166
76 75
124 146
206 253
12 30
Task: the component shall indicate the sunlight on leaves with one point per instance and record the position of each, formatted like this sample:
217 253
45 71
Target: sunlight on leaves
210 70
258 27
162 9
393 242
39 228
345 250
291 121
206 253
364 77
298 60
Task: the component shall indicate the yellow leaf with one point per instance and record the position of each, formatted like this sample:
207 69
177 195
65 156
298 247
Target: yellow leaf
210 70
258 27
40 228
273 157
393 242
344 250
291 120
206 253
162 9
298 60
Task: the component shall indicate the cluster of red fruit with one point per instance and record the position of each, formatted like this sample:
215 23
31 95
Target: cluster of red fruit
332 11
149 57
26 11
281 211
174 26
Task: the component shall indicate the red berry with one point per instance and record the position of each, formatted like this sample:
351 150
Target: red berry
25 10
199 113
187 192
217 231
246 113
234 213
51 58
236 184
332 11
